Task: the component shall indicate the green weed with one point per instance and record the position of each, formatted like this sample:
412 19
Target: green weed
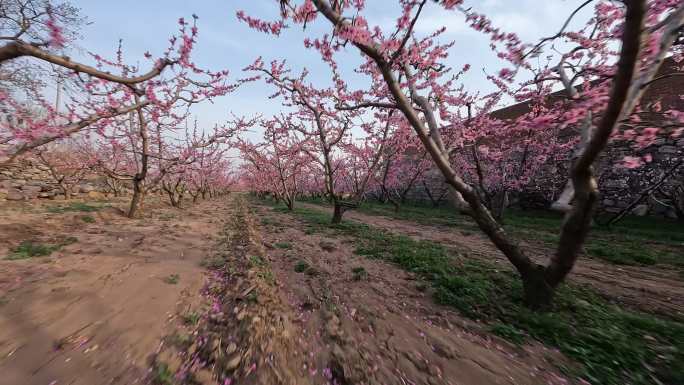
75 206
172 279
31 249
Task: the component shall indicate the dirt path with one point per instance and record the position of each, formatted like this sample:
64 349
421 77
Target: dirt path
94 312
378 326
646 288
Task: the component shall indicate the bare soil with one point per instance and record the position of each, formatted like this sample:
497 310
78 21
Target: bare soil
93 312
381 327
652 289
108 310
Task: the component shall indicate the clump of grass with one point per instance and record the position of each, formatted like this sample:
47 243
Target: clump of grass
181 341
172 279
283 245
88 219
359 273
624 255
267 275
508 332
74 206
31 249
611 345
256 261
162 375
191 318
301 266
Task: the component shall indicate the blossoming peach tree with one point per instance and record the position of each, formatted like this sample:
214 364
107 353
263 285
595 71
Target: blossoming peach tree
410 74
130 119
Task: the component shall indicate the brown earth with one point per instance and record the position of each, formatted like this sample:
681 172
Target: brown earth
381 327
652 289
93 312
103 309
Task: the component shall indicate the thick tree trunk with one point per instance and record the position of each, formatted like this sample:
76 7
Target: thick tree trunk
337 213
538 293
136 199
499 203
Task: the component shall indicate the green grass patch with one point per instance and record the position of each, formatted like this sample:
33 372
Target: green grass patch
610 345
633 241
301 266
283 245
88 219
75 206
508 332
256 261
172 279
359 273
191 319
31 249
162 375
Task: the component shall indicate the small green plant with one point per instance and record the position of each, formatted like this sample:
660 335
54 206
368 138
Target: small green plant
162 375
30 249
359 273
256 261
267 275
181 341
301 266
172 279
88 219
283 245
191 318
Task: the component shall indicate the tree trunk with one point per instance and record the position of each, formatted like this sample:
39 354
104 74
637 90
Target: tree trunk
289 202
65 192
135 200
538 293
337 213
499 203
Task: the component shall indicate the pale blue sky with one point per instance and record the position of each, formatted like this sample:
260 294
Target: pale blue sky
226 43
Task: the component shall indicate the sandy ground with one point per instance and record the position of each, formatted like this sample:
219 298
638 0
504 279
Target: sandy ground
95 311
653 289
103 311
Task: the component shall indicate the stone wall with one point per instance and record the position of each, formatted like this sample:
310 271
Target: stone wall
619 186
26 179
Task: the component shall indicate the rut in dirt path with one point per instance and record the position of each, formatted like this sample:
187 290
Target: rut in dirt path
363 321
649 289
